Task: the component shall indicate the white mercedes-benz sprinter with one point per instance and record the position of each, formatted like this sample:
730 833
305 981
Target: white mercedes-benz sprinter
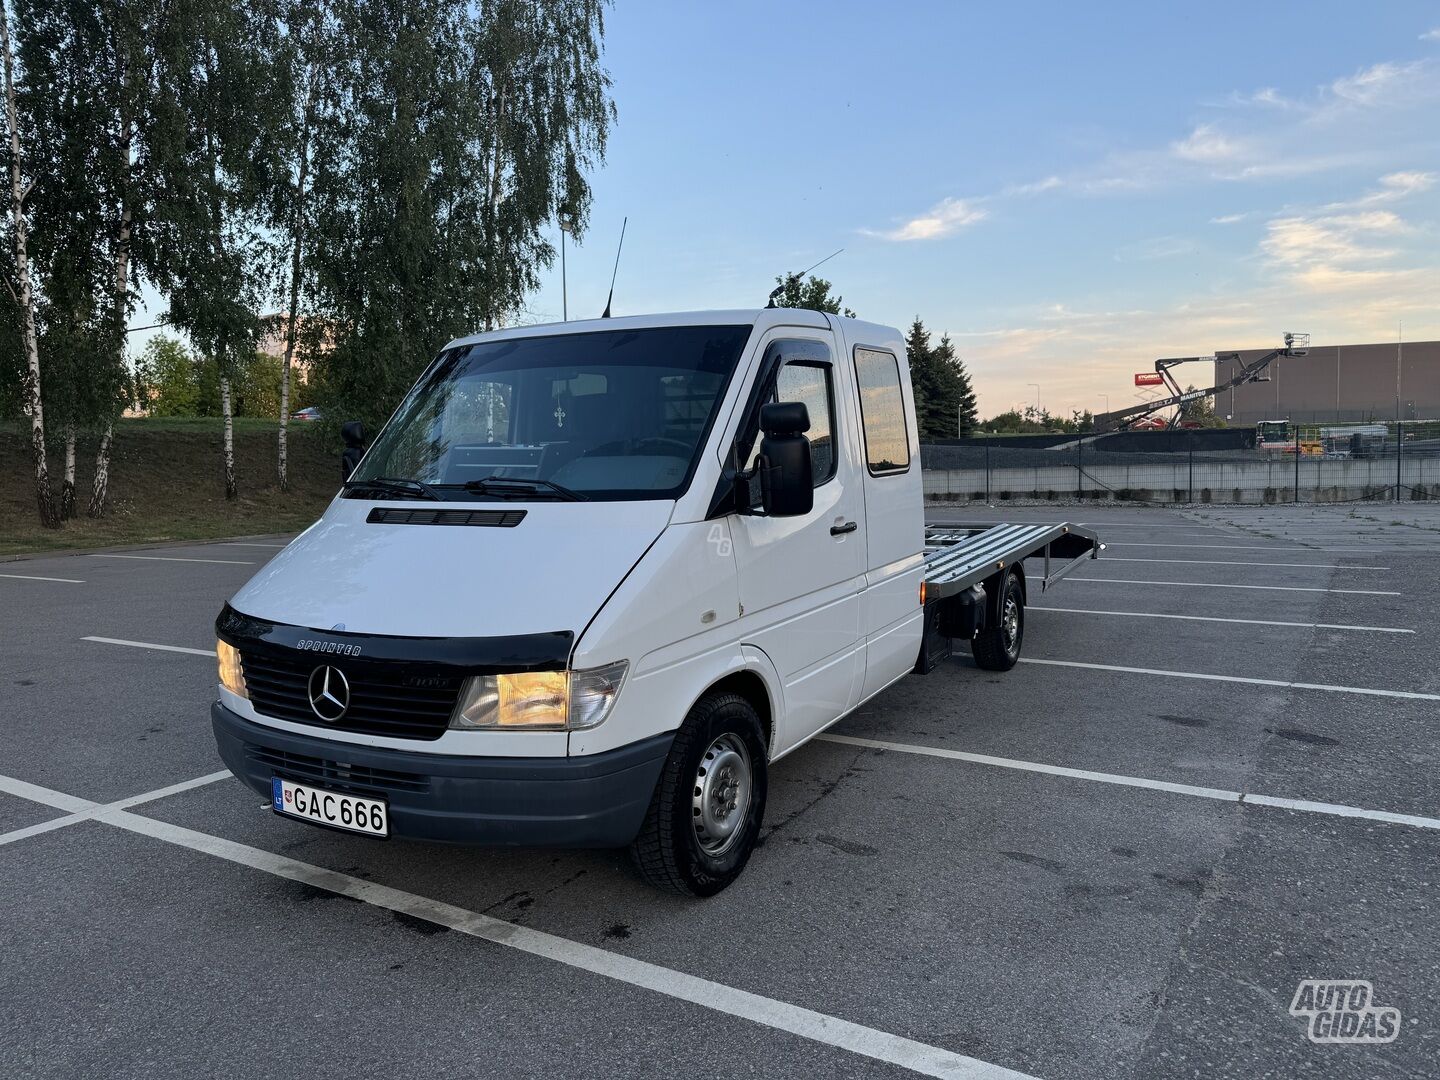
589 583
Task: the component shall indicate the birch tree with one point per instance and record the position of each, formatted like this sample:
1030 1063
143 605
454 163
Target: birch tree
308 51
97 100
466 128
215 257
23 291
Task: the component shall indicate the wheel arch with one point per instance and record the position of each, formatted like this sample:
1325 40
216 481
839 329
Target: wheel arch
1018 569
749 684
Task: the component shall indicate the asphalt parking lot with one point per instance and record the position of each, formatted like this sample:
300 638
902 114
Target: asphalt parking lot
1213 776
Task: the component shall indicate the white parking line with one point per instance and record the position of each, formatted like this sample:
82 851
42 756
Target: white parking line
780 1015
1218 585
45 796
1222 794
173 558
150 645
1404 694
1243 562
34 577
1212 618
251 543
94 809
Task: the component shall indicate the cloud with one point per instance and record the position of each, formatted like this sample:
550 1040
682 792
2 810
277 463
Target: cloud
1229 219
944 218
1050 183
1397 185
1266 97
1381 84
1207 145
1431 35
1335 239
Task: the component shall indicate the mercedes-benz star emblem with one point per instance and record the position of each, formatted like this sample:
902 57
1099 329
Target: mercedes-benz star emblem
329 693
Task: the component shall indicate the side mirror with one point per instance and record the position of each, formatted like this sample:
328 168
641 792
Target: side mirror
787 477
352 432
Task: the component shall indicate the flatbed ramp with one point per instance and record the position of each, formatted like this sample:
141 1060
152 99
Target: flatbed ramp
960 556
975 588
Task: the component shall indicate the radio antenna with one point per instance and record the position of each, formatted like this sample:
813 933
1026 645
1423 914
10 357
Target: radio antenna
775 292
618 248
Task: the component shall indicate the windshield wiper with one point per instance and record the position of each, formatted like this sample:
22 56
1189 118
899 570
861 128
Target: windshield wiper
414 489
521 485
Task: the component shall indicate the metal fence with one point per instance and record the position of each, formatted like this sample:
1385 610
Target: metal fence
1403 464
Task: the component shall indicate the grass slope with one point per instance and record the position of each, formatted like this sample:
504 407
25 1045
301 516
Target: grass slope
167 482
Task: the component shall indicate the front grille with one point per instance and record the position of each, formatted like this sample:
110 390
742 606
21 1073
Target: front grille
335 775
399 699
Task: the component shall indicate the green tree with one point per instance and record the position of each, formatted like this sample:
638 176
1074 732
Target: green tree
257 387
811 293
936 381
1031 421
964 390
957 392
923 384
22 288
100 93
309 51
170 375
215 259
456 133
1200 411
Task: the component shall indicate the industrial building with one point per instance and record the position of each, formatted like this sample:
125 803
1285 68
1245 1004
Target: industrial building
1345 383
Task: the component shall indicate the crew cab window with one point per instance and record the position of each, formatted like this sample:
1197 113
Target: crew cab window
806 377
882 412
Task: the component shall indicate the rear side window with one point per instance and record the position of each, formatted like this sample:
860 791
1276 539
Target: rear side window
882 411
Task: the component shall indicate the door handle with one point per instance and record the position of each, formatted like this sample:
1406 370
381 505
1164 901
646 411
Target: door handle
841 530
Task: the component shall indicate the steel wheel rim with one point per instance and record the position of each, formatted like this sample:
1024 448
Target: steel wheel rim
1010 622
720 799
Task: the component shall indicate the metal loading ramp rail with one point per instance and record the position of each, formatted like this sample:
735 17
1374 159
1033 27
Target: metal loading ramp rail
960 556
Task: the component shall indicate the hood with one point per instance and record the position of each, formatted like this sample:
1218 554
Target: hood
550 572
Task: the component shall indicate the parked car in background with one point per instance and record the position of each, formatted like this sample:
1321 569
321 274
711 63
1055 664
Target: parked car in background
310 412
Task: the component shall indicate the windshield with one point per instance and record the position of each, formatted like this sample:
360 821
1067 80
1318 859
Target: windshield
619 414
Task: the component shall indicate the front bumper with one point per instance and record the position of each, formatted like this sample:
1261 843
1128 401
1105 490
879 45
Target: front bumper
594 801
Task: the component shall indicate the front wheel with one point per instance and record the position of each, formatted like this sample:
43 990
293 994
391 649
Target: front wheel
997 648
705 814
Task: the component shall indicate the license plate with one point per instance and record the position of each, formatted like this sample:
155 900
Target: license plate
353 813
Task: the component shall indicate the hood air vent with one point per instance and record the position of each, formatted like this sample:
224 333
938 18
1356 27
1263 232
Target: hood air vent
497 519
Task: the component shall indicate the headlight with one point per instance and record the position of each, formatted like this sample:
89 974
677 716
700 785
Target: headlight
539 700
232 675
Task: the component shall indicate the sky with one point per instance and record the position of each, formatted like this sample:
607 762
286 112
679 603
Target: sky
1070 190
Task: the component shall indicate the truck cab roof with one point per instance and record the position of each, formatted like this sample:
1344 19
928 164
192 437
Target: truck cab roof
760 318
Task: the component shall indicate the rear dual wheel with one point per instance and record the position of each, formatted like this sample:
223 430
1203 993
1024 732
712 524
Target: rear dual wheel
705 814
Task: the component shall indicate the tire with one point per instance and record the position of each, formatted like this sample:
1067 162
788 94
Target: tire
690 843
997 648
